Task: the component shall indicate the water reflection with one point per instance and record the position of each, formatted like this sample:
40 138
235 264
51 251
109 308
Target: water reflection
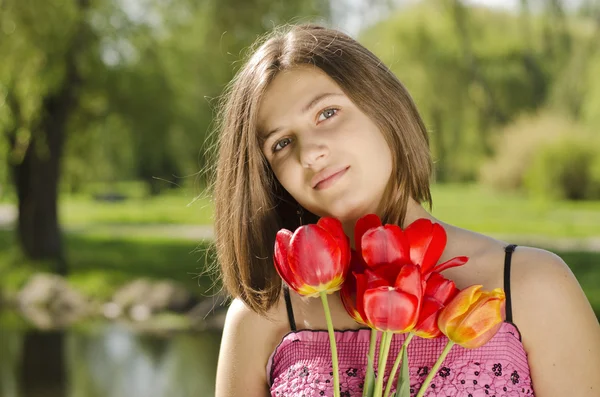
109 362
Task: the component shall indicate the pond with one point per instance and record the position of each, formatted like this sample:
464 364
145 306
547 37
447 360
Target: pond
106 361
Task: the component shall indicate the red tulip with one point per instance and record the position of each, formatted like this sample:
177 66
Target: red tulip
314 258
383 253
438 292
348 293
427 241
393 307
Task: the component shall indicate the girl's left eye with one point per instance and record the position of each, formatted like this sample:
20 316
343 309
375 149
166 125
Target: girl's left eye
327 114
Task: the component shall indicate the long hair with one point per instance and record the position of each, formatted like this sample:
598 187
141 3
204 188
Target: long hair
250 204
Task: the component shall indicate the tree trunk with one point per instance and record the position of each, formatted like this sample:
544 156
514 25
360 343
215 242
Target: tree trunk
36 180
37 175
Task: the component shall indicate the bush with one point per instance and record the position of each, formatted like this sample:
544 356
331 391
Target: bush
516 146
566 169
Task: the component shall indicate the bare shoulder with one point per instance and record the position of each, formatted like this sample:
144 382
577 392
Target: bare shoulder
559 328
247 342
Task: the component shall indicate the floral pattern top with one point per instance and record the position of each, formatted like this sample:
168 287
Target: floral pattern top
301 365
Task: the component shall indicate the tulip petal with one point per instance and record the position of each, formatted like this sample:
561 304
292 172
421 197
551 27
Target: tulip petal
427 323
440 288
385 245
389 273
348 297
314 258
388 309
365 281
334 227
282 244
374 279
481 322
409 280
427 242
454 262
457 307
369 221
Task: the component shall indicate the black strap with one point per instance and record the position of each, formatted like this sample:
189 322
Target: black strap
288 305
509 249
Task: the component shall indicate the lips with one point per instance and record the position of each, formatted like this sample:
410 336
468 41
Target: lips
327 174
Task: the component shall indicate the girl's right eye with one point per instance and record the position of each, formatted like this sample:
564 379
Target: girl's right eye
281 144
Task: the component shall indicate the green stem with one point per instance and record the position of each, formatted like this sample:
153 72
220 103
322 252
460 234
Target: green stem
397 364
370 359
334 356
386 342
435 368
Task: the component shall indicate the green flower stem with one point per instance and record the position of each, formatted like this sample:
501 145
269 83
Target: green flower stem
435 368
334 356
384 351
370 359
397 364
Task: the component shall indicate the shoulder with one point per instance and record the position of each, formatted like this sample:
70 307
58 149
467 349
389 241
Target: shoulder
247 342
559 328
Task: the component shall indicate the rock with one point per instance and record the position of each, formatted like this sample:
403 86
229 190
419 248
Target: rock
132 293
49 301
168 295
157 296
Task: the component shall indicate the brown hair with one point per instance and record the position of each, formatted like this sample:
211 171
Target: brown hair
250 204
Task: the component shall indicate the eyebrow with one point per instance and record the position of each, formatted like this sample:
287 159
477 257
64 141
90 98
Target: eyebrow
305 109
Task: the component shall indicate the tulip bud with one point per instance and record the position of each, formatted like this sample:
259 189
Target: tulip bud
473 317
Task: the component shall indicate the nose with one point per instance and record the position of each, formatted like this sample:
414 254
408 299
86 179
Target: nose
313 153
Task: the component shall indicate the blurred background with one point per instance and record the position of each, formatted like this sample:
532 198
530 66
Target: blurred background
107 283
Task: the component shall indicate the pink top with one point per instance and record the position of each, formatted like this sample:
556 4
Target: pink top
301 365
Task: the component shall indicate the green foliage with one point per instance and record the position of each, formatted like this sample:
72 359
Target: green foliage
516 146
469 70
566 169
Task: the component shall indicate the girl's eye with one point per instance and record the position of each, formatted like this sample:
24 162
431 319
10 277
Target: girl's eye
281 144
327 114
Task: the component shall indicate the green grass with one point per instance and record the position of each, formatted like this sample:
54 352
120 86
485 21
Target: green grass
479 209
100 264
473 207
162 209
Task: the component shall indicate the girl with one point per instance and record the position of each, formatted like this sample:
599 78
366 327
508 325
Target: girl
315 125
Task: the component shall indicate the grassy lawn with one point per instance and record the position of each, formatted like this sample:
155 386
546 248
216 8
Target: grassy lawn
470 206
476 208
164 209
100 264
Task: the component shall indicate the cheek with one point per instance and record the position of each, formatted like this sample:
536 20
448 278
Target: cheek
287 177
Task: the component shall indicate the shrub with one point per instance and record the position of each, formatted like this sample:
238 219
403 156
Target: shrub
566 169
516 145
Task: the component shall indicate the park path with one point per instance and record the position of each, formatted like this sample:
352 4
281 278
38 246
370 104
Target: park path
201 232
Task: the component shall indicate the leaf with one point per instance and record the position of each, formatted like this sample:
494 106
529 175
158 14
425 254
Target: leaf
369 385
403 387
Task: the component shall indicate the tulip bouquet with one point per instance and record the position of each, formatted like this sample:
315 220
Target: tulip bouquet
390 283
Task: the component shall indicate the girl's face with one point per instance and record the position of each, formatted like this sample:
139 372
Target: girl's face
322 148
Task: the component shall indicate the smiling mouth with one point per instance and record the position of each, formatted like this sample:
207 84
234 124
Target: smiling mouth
325 183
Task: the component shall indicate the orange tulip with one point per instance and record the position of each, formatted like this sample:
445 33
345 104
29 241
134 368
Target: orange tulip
473 317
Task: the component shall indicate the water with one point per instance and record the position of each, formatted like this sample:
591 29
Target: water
107 361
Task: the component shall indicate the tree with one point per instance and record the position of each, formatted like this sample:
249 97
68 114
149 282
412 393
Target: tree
41 79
